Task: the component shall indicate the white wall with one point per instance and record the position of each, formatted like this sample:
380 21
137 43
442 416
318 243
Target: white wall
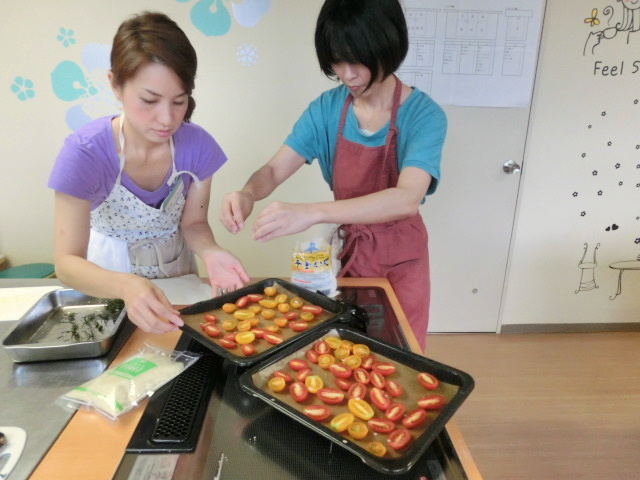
581 177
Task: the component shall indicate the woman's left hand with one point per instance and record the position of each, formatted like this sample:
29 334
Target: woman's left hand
225 271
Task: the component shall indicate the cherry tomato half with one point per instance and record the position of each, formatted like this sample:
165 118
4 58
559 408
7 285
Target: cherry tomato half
379 398
394 388
357 390
361 375
395 411
352 361
377 379
229 307
303 374
314 383
399 439
322 347
270 291
384 368
358 430
317 412
312 356
242 302
245 337
432 402
248 349
296 302
276 384
361 350
339 370
360 408
315 309
331 396
414 418
210 317
255 297
368 361
428 381
273 338
341 422
381 425
298 325
268 303
377 448
227 343
298 364
211 330
343 383
298 391
325 360
334 342
283 374
244 314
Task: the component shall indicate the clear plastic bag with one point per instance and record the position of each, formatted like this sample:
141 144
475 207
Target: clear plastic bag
312 267
120 389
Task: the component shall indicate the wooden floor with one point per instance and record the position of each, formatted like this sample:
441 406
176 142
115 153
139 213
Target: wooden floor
549 406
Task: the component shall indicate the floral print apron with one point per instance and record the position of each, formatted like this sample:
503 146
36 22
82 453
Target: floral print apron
395 250
127 235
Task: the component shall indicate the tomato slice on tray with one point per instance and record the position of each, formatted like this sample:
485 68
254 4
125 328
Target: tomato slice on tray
317 412
399 439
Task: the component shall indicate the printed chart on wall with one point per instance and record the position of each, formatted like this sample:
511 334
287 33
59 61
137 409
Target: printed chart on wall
479 53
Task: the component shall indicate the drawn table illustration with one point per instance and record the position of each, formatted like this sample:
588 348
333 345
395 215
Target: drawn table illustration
622 266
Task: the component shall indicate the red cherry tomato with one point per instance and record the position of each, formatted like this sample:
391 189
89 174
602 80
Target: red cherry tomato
368 361
357 390
395 411
377 379
212 330
258 332
381 425
317 412
303 374
210 317
273 338
340 370
432 402
255 297
322 347
298 364
379 398
315 309
298 325
343 383
248 349
298 391
227 343
242 302
291 315
384 368
331 396
283 374
414 418
428 381
361 375
399 439
312 356
394 388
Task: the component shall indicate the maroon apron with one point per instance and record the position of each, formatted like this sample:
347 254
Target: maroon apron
396 250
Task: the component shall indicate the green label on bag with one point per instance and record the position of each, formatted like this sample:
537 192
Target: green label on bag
134 367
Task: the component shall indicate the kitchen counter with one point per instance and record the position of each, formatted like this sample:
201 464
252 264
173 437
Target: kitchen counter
92 446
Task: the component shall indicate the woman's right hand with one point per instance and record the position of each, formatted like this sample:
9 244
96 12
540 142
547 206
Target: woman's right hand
236 207
148 307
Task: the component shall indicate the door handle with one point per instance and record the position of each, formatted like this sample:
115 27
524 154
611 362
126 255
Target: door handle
510 167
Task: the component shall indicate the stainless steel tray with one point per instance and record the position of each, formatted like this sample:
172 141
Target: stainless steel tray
64 324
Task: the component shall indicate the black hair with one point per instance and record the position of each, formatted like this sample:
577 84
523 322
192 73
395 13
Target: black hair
372 33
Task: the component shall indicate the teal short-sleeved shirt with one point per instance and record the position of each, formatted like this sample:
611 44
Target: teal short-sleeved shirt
421 122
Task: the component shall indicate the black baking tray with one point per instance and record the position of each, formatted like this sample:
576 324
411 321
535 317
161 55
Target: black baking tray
456 385
336 312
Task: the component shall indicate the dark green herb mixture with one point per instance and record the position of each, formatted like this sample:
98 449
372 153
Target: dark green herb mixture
92 325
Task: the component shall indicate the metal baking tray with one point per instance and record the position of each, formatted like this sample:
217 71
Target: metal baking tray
64 324
334 312
455 385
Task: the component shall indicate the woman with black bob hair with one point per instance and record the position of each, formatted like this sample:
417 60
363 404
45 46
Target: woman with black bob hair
379 146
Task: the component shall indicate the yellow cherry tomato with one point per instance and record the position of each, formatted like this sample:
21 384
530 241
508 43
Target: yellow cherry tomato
282 298
341 422
270 291
307 316
281 322
244 314
268 303
325 360
245 337
360 408
277 384
361 350
229 325
229 307
377 448
268 313
243 326
314 383
284 307
334 342
358 430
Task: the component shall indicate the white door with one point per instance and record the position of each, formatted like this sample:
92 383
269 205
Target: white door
471 216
